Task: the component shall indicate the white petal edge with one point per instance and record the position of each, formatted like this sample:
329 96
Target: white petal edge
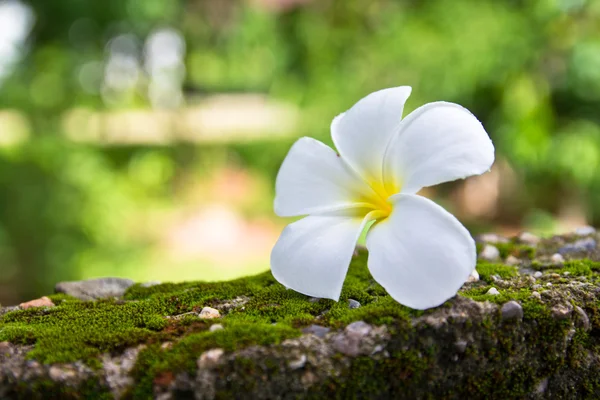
314 179
312 255
420 254
438 142
362 134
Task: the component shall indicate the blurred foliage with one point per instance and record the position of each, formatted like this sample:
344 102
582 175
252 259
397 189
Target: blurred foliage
530 70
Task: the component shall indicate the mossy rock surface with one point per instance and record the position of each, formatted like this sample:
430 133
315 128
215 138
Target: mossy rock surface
538 338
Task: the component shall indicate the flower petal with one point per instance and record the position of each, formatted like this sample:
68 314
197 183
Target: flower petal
438 142
420 254
362 134
312 255
314 179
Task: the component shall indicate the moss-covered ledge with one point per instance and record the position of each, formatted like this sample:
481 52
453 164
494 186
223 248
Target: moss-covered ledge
537 337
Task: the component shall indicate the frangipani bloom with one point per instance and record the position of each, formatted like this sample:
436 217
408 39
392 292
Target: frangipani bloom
418 252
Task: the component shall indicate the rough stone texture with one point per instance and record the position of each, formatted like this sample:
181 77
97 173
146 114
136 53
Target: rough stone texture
94 289
535 338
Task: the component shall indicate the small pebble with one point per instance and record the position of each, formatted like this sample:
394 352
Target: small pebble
94 289
536 295
150 284
512 310
314 299
317 330
352 304
557 258
350 340
581 245
537 274
299 363
585 231
512 260
536 286
461 345
358 328
566 273
210 358
541 387
493 291
41 302
209 313
215 327
492 238
474 277
548 284
489 253
529 238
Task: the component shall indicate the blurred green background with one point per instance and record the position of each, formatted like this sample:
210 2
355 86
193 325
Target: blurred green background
141 138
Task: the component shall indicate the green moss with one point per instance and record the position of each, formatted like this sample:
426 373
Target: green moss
155 361
532 308
486 270
90 389
578 267
517 250
81 330
76 330
268 314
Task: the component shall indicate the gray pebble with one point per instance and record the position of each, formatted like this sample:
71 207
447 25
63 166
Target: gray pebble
581 245
512 260
493 291
512 310
541 387
150 284
557 258
209 313
491 238
529 238
94 289
299 363
489 253
585 231
461 345
358 328
349 341
353 304
317 330
537 274
215 327
474 277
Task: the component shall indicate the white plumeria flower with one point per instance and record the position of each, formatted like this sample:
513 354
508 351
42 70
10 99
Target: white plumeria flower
418 252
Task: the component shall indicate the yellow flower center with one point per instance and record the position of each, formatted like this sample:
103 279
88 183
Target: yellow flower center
378 200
